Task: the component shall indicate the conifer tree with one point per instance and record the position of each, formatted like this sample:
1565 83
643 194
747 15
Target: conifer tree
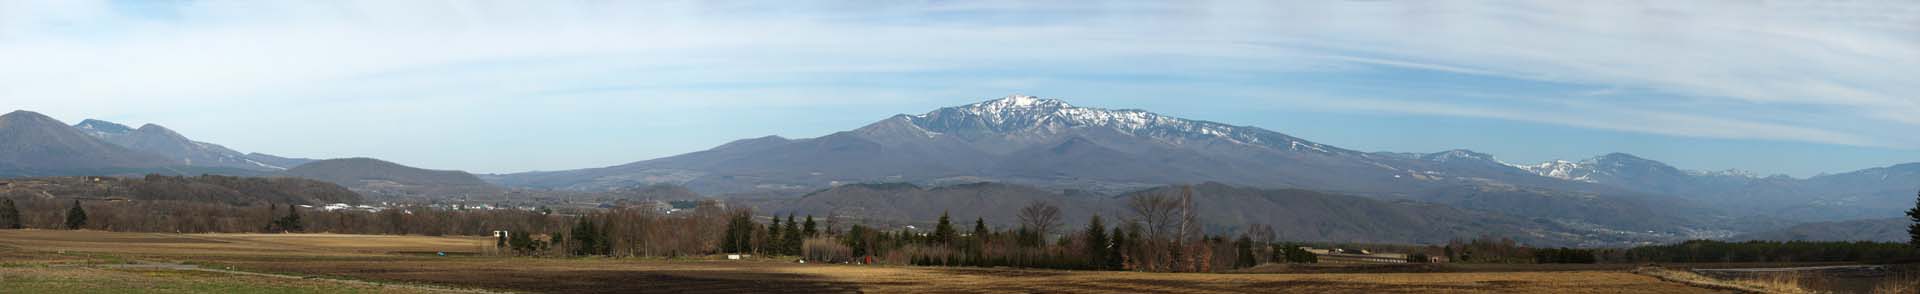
774 237
76 217
811 231
9 215
791 242
1245 257
1913 230
980 229
943 232
1117 256
1097 242
292 221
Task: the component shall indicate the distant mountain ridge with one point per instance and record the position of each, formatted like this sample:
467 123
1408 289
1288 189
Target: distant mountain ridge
159 140
381 178
34 144
1008 139
1052 145
1868 193
1876 230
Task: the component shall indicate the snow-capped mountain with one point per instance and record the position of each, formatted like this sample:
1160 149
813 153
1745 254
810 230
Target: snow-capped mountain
1055 145
1612 167
1021 115
1868 193
1615 166
1562 169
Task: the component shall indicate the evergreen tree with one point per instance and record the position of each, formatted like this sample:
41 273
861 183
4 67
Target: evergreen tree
1097 242
292 221
76 217
525 244
584 238
943 232
980 230
792 241
9 215
1245 252
273 218
810 230
1116 256
1913 230
774 235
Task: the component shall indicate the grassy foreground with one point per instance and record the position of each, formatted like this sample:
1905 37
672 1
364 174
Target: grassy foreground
85 262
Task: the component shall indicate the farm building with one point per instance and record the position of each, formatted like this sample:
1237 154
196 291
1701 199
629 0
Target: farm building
1355 256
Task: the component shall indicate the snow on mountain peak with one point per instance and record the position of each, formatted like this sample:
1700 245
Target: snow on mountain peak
1458 154
1562 169
1016 101
102 129
1029 114
1732 172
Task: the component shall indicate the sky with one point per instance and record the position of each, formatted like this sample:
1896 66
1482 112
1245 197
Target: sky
1786 87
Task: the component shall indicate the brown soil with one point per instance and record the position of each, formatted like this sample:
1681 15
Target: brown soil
382 259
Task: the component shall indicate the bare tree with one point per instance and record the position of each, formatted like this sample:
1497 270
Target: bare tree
1040 216
1261 234
1156 213
833 223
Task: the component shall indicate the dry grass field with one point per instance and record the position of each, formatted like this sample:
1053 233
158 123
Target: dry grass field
67 261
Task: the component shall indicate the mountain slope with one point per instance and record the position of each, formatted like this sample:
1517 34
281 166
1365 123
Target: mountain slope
34 144
1007 140
1877 230
375 177
1052 145
1869 193
277 161
158 140
205 189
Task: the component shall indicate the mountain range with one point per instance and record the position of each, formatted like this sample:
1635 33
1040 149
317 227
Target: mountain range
1869 193
906 167
36 145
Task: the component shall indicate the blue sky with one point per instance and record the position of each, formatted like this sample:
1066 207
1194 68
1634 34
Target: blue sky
504 86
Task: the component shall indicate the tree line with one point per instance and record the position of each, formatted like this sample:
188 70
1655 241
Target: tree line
1157 233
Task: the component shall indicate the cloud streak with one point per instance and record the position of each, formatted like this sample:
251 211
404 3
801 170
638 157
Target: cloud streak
1697 69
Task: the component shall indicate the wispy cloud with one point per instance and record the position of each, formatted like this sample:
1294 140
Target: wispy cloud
1716 69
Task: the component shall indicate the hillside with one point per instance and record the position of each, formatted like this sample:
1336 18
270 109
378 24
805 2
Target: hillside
32 144
379 178
158 140
207 189
1055 146
1869 193
1878 230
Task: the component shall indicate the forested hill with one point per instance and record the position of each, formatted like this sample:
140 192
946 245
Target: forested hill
388 181
209 188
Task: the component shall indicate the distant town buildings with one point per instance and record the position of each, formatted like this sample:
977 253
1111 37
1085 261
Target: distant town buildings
1357 256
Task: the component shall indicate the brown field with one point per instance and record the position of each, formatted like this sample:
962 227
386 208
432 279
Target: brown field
54 259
